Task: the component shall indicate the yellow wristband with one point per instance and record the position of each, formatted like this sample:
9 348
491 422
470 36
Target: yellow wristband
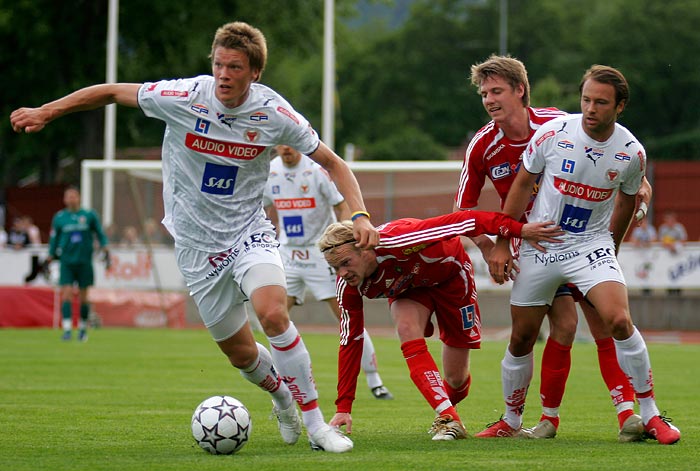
359 214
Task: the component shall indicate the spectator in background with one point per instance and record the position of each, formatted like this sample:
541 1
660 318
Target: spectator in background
130 237
18 238
643 235
153 233
112 234
32 231
672 233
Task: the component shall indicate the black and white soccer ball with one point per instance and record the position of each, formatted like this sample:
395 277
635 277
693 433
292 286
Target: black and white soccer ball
221 425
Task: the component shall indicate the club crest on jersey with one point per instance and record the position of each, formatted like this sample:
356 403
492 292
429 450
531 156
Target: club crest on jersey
304 188
251 135
612 174
219 179
500 171
202 126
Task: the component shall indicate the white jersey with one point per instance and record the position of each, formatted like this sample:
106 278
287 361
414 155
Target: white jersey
304 196
216 160
581 177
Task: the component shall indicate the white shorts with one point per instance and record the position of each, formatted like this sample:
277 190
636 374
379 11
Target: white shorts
215 280
584 265
306 267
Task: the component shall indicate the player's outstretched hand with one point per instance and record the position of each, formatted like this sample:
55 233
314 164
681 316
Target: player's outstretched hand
366 235
29 119
340 419
536 232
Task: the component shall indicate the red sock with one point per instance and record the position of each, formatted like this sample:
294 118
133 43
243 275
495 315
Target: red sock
554 420
556 364
457 394
624 415
615 379
424 373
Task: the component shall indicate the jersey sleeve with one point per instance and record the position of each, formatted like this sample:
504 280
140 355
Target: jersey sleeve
635 172
156 99
97 229
472 177
533 157
414 234
351 344
296 131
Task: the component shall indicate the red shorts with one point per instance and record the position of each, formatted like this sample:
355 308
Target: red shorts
455 309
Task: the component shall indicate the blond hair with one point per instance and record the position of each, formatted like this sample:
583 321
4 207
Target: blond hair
508 68
336 234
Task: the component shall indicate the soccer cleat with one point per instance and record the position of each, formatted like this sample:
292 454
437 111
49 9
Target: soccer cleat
289 423
446 428
82 335
381 392
545 429
632 430
66 335
499 429
660 429
330 439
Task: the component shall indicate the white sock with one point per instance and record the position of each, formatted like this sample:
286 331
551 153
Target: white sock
67 324
262 373
313 420
369 362
516 374
633 357
290 356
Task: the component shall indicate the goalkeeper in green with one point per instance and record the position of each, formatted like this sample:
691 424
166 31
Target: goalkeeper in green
72 243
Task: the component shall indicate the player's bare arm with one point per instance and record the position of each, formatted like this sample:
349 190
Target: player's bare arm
546 231
642 200
621 217
35 119
500 259
366 235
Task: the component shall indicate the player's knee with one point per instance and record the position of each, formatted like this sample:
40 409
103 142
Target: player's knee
522 340
274 319
621 326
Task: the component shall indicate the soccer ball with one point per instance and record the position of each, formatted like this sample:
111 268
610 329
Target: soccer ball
221 425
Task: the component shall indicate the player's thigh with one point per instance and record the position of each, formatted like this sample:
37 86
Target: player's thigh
68 274
540 276
86 275
410 318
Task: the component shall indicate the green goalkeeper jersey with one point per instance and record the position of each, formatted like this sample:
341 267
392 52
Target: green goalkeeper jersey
72 238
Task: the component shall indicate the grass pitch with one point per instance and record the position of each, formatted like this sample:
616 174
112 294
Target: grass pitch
123 401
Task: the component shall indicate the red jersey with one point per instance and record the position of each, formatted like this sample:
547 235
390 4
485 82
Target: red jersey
412 255
491 154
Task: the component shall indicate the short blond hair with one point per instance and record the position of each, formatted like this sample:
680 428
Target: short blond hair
336 234
508 68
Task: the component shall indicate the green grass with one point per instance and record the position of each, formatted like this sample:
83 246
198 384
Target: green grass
123 401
